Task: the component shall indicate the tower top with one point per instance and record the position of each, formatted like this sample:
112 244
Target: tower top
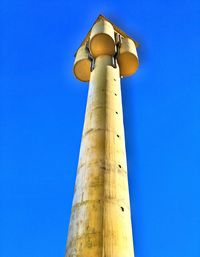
105 38
116 29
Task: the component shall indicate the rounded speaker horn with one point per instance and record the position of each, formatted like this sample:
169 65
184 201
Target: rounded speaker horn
127 58
102 39
82 65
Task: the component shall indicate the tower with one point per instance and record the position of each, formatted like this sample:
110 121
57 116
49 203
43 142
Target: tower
100 224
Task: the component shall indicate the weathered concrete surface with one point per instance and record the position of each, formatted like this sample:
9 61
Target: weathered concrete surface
100 224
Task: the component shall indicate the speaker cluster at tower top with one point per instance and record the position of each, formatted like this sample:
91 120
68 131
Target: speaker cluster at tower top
104 40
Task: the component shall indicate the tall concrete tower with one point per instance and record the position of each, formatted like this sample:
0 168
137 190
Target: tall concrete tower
100 224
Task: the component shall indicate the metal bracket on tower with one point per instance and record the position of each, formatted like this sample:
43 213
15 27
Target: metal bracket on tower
118 45
90 57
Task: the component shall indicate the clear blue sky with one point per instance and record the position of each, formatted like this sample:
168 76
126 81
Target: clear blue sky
42 110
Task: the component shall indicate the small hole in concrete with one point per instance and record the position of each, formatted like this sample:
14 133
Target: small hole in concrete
114 79
116 112
117 135
119 166
122 208
116 94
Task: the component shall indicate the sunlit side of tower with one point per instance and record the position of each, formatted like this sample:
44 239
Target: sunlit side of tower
100 224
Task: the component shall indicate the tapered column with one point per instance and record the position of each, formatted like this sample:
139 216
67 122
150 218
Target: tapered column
100 224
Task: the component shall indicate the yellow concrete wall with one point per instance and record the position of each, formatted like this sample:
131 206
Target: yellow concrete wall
100 224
